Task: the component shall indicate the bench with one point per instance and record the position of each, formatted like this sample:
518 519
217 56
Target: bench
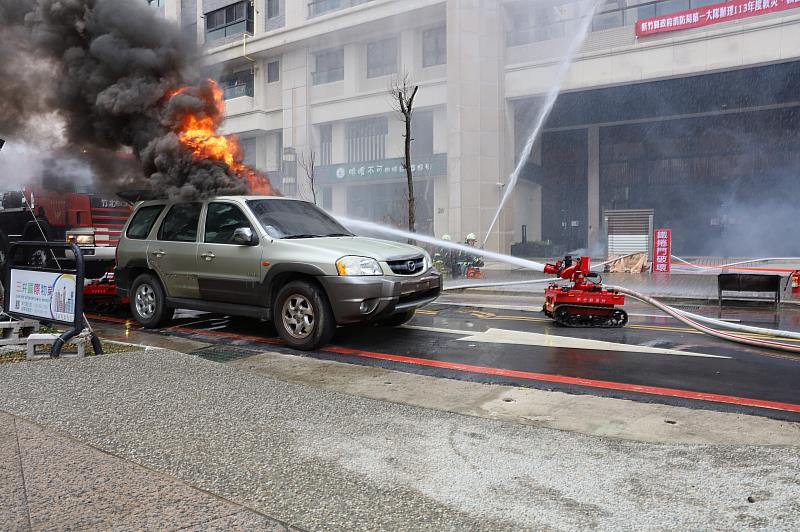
750 282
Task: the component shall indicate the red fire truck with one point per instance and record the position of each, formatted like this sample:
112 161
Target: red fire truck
92 221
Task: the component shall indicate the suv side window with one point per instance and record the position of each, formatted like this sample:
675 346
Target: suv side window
222 219
180 223
143 221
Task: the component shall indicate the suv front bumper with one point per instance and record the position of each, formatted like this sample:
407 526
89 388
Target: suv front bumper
357 299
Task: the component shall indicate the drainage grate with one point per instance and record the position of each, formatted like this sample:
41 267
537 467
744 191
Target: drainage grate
224 353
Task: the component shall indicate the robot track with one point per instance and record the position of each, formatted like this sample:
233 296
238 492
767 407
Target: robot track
588 316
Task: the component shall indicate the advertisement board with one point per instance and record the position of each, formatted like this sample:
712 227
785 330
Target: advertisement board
711 14
432 166
45 295
662 250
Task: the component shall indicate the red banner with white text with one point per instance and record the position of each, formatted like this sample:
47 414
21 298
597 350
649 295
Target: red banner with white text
703 16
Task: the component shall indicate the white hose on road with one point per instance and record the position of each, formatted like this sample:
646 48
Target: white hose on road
732 264
737 327
678 315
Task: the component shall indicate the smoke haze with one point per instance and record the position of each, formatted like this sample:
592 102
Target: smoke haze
100 69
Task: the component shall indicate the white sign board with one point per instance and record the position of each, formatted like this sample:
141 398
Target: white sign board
42 294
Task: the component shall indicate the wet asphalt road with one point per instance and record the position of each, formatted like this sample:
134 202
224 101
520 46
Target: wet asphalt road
735 378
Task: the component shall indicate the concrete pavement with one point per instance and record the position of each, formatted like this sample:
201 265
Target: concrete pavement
49 481
323 460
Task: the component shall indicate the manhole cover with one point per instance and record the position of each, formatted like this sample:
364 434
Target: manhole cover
224 353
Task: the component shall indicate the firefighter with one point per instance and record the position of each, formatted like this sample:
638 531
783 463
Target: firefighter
443 259
469 260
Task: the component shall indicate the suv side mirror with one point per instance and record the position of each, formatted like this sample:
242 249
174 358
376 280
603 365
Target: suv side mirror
244 236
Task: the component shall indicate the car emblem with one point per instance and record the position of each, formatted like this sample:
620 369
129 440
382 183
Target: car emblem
411 265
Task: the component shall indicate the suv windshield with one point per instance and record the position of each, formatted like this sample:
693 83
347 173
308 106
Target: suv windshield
295 219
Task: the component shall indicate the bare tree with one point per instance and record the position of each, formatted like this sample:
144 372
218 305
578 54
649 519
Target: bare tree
308 164
403 91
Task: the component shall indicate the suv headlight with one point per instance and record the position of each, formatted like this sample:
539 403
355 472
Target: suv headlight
358 266
80 239
427 262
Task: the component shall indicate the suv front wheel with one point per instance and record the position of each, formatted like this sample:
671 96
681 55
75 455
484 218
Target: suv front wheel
303 316
148 302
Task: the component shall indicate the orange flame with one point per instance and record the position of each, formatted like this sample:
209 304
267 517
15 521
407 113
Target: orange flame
199 134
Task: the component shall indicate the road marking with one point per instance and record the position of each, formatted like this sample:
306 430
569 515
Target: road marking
542 377
438 330
505 336
577 381
632 326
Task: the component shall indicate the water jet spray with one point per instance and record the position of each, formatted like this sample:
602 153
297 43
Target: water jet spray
547 107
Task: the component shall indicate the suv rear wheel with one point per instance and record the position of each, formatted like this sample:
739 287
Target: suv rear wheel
148 303
303 316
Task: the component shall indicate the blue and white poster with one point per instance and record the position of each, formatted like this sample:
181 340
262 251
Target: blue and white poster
46 295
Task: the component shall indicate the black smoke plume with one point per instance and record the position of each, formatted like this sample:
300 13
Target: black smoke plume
103 68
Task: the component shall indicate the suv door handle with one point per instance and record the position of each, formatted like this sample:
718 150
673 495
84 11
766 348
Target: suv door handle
159 253
208 255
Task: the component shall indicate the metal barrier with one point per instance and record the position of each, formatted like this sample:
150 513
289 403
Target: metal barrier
743 282
38 287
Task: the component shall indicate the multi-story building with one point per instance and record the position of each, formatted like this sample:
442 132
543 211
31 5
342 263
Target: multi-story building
685 108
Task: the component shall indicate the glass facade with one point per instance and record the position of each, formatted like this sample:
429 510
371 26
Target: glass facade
231 20
531 22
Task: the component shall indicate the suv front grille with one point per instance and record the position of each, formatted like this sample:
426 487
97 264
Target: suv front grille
411 266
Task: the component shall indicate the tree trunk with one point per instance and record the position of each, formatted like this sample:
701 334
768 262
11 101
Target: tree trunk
409 175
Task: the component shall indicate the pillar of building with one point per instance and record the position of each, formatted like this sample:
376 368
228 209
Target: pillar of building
172 11
475 117
296 119
593 188
296 13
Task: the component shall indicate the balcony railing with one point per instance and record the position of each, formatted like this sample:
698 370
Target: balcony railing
320 7
235 91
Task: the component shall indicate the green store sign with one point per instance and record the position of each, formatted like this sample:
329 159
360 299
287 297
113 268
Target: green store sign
434 165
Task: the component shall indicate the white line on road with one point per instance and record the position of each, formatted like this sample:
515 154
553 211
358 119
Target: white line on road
504 336
438 329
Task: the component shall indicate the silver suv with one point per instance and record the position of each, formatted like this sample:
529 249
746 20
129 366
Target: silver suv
271 258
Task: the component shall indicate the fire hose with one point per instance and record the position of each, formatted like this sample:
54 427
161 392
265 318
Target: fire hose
695 321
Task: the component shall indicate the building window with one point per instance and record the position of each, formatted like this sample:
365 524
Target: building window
157 4
325 144
422 133
237 84
366 139
382 57
320 7
554 20
231 20
434 47
327 198
329 66
273 8
248 152
273 71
